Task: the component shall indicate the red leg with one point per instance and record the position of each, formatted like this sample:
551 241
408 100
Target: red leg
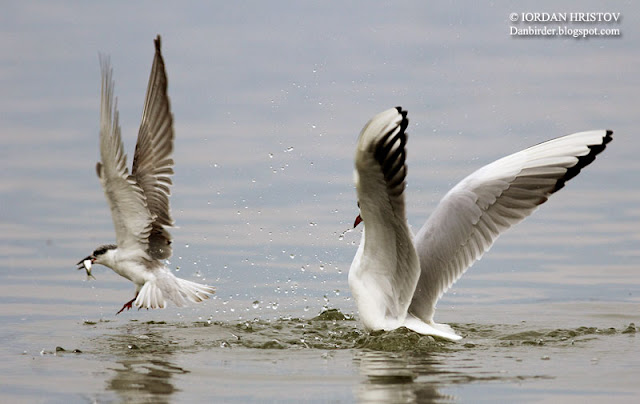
127 305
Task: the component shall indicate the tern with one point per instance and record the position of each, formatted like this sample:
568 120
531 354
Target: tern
396 278
139 200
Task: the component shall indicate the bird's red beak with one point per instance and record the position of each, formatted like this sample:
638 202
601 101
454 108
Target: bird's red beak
357 221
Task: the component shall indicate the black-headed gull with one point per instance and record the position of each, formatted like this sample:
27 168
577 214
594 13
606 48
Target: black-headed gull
140 201
396 277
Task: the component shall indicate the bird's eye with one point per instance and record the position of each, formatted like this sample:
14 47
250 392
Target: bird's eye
358 204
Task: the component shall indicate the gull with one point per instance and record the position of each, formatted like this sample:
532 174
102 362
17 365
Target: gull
396 278
139 200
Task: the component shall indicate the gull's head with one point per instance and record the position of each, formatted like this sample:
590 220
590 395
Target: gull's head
358 218
356 181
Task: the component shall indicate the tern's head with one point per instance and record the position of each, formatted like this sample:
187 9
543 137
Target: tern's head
99 255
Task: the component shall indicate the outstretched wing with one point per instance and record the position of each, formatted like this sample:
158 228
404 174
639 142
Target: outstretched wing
477 210
385 269
131 218
152 163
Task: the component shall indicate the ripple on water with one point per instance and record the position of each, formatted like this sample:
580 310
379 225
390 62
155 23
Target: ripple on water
330 330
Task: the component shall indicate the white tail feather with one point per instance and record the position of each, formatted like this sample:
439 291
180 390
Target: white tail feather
194 292
150 297
153 294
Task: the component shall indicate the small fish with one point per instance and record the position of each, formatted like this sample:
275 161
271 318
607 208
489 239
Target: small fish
86 265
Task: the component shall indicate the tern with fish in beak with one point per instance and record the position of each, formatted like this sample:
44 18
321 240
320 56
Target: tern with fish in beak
139 200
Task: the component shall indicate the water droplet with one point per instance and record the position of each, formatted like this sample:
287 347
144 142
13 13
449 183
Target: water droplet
292 256
288 149
270 155
256 304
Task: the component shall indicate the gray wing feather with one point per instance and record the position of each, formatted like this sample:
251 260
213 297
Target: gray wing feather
131 218
152 163
477 210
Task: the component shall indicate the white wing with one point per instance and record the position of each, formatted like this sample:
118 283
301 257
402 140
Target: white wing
385 270
152 163
486 203
131 217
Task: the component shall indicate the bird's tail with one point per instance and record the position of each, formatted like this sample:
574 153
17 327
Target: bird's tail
154 293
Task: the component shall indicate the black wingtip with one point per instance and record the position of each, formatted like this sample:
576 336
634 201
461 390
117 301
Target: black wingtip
158 43
608 136
585 160
402 112
390 152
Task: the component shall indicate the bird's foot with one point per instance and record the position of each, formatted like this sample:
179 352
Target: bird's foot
127 305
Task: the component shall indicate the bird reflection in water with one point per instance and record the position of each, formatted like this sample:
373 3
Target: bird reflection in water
145 379
398 378
145 370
